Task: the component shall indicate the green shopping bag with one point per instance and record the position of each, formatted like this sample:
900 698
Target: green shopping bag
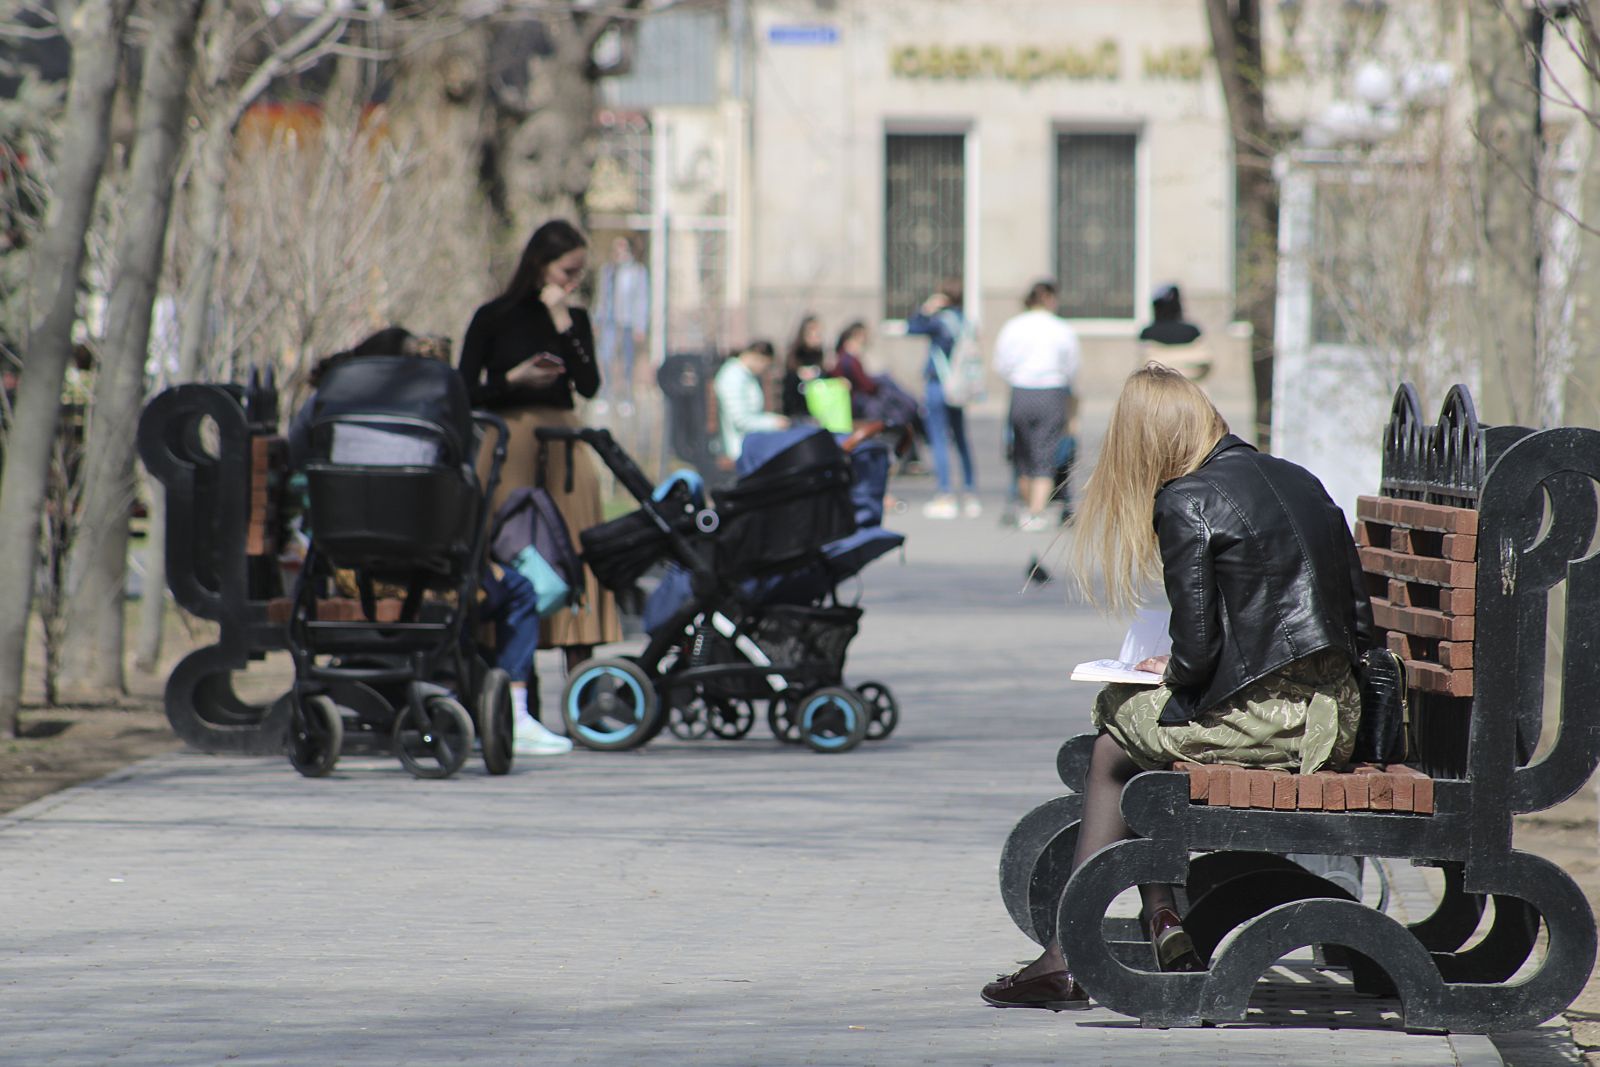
828 401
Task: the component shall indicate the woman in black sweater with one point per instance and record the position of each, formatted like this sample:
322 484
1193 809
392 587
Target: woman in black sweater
526 353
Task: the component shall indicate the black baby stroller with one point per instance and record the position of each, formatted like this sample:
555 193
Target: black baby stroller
749 609
395 506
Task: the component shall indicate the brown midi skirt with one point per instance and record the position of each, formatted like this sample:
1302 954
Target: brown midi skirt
595 621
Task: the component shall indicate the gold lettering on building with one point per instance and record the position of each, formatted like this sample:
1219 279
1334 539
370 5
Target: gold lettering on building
1024 63
1183 63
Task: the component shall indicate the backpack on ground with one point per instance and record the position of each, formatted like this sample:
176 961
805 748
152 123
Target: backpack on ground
530 537
962 373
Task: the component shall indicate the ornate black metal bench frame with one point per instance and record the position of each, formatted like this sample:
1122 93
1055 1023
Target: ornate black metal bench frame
209 490
1248 907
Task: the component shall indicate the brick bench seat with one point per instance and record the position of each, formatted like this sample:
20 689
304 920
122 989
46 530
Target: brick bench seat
336 609
1365 787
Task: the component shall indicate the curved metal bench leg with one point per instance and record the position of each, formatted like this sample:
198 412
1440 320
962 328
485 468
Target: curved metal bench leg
1505 947
200 687
1239 899
1035 836
1454 919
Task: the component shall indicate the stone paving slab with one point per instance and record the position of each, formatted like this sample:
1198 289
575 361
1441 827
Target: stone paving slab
702 903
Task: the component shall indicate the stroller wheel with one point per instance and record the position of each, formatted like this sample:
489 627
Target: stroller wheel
688 721
435 743
832 719
730 718
882 707
495 727
610 704
316 733
782 721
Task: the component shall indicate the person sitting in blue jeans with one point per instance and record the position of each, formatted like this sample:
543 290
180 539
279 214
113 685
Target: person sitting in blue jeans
510 603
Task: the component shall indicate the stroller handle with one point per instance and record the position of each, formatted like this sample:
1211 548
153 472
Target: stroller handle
622 465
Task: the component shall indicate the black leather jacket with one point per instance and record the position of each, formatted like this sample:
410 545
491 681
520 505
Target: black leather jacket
1260 571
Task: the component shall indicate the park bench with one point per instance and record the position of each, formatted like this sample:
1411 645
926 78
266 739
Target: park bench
217 452
1474 529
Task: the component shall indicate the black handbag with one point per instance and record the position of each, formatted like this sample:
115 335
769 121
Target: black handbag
1385 732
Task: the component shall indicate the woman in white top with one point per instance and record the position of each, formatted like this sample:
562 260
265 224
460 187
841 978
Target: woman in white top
1037 354
741 400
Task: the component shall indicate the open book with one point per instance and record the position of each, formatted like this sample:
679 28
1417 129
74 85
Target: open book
1146 637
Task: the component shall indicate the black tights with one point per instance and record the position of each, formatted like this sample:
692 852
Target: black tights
1102 824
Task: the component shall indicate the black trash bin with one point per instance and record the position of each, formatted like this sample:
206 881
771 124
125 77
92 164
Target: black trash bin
685 381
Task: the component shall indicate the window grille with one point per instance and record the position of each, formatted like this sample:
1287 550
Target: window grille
924 237
1097 224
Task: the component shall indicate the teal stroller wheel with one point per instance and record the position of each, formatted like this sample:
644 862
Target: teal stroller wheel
610 704
832 719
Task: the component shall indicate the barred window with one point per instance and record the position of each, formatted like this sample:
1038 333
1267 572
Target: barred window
1096 224
925 203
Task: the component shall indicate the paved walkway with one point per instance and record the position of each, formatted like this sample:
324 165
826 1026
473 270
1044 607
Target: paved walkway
700 903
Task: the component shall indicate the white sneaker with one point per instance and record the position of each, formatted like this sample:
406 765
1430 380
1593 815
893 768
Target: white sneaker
942 506
970 507
532 739
1033 524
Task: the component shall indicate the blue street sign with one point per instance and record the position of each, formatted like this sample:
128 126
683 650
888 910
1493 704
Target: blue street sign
803 34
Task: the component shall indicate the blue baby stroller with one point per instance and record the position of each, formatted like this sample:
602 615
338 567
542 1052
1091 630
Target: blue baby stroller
749 608
395 505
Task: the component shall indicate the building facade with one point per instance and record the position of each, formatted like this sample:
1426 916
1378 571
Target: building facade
899 141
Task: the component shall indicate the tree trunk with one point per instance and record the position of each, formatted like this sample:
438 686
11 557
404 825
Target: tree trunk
153 605
93 639
551 151
440 98
1506 268
94 32
1582 387
1236 41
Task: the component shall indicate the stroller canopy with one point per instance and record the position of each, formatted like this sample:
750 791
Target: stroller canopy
396 390
792 497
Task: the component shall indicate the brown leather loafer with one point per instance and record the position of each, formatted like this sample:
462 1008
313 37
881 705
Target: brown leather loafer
1055 991
1173 946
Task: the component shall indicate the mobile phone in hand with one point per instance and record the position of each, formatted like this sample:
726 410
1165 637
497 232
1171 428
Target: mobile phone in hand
546 359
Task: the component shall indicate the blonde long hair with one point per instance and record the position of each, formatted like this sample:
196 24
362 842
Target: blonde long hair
1163 427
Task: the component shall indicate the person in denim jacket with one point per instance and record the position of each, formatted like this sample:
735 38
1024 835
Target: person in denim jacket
941 320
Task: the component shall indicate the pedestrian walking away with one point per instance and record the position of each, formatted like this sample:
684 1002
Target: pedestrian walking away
526 353
1037 354
1268 618
943 322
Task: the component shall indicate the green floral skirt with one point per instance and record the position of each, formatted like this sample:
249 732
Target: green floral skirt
1301 719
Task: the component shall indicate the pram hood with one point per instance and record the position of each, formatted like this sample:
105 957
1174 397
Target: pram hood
808 580
792 497
390 479
395 390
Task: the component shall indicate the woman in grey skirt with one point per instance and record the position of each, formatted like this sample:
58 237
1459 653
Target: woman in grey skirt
1269 615
1037 354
